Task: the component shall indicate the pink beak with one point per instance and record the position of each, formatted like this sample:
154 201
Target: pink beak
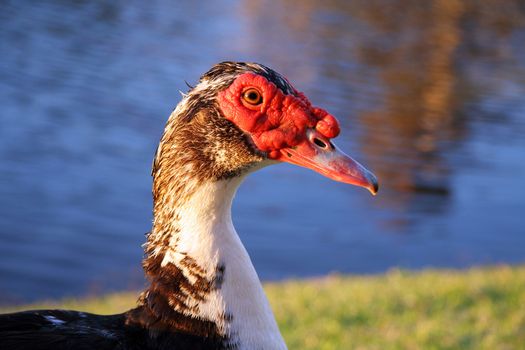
321 155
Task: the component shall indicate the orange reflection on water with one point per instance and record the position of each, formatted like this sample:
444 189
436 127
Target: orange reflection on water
408 61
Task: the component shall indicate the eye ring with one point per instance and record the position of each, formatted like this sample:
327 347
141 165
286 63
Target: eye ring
252 97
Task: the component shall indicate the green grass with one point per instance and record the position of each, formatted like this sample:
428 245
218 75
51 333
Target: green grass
482 308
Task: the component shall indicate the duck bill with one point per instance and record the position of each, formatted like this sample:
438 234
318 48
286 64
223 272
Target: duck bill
330 162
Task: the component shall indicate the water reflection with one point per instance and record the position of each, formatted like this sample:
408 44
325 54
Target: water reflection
419 116
406 61
429 94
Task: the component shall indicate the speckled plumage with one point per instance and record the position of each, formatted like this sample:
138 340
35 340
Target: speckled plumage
200 152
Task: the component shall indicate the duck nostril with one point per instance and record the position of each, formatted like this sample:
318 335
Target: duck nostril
319 143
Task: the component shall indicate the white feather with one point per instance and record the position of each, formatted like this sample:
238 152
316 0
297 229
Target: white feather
208 236
55 321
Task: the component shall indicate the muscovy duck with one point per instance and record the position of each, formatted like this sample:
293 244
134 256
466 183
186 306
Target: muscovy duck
203 291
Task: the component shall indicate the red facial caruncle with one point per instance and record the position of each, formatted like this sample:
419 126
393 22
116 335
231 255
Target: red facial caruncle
288 128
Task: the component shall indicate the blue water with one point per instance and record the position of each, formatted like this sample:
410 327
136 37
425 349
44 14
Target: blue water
430 95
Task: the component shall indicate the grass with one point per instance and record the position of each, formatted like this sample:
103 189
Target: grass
481 308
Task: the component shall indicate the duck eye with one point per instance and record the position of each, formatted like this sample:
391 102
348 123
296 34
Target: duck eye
252 96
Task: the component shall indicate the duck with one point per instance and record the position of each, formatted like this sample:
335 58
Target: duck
202 290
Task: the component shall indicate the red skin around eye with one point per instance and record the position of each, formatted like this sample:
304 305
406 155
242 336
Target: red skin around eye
280 121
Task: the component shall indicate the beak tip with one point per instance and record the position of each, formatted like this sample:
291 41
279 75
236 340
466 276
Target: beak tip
374 185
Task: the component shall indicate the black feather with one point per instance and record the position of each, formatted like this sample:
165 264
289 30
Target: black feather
61 330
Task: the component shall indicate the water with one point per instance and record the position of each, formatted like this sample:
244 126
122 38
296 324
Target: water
430 95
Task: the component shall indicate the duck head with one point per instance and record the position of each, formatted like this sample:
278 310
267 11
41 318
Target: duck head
246 113
284 124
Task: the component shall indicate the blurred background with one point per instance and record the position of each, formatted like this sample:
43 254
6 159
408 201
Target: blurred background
430 95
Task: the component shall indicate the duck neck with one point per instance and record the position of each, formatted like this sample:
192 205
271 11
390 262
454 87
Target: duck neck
202 279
